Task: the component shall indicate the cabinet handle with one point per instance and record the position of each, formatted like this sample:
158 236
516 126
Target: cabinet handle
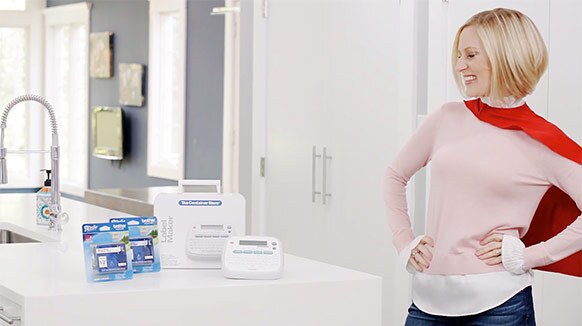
9 320
324 184
314 156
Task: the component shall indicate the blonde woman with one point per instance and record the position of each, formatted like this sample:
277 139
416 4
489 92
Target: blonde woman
498 171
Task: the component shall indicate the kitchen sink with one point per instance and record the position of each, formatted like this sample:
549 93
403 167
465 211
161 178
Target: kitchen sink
7 236
14 234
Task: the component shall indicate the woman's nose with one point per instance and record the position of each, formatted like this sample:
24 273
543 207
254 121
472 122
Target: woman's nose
461 65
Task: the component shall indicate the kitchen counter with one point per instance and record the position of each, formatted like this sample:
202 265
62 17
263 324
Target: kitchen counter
137 201
45 284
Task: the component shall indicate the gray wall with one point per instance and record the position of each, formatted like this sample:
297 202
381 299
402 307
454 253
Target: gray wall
204 96
129 21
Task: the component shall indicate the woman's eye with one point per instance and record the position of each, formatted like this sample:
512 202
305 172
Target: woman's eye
471 55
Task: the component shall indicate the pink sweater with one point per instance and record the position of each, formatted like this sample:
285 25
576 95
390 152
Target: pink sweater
483 180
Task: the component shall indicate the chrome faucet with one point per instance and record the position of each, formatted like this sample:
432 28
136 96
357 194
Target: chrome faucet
56 217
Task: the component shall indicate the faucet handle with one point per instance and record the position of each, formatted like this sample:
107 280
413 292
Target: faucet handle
63 218
56 222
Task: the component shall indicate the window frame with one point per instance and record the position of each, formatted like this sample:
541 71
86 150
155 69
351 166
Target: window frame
73 14
159 8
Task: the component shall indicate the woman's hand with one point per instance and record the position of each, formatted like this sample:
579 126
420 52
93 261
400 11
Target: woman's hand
490 253
421 255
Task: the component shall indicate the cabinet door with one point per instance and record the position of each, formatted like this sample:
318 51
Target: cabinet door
332 83
558 297
565 73
362 137
296 54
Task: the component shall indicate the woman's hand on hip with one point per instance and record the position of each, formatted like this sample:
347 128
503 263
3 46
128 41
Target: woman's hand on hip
490 252
421 255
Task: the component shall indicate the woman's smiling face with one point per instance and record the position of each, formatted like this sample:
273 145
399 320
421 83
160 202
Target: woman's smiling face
473 64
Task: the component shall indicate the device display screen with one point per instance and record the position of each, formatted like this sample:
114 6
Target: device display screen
211 227
252 243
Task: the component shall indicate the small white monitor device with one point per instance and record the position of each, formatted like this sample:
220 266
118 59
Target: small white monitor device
206 241
252 257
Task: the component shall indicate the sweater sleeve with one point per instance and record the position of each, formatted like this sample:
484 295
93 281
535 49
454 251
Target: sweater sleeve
566 175
415 154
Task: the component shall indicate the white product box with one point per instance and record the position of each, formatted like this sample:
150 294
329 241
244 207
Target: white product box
194 227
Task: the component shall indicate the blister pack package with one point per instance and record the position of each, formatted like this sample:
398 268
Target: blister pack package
143 239
107 252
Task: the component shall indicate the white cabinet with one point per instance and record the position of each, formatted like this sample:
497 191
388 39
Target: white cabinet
558 97
332 76
10 312
559 298
295 105
565 73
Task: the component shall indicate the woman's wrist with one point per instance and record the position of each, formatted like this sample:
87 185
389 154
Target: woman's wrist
512 254
404 255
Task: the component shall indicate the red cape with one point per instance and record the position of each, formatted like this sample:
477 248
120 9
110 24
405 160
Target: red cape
556 209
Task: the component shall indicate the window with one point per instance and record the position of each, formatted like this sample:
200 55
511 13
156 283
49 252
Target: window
167 89
20 73
17 5
67 88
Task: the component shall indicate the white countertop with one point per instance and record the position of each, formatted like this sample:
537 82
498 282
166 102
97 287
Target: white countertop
138 201
145 195
55 268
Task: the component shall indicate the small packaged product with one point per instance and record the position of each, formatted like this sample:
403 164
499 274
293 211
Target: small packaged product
143 239
107 252
43 201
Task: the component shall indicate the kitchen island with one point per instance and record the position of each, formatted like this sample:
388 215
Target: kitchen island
44 283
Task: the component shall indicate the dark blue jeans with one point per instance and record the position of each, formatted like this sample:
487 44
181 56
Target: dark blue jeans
517 311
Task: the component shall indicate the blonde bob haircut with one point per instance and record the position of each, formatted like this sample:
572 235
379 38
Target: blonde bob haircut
516 50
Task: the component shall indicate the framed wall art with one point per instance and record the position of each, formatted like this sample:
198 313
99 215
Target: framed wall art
131 84
101 55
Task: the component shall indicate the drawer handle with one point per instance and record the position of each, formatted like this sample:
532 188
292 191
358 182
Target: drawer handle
9 320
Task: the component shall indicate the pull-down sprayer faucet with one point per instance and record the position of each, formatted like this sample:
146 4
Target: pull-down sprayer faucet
56 217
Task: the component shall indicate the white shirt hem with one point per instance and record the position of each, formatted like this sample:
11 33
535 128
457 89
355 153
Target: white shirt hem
463 295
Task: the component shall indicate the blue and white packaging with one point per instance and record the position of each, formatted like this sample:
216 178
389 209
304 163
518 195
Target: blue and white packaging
107 252
144 242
